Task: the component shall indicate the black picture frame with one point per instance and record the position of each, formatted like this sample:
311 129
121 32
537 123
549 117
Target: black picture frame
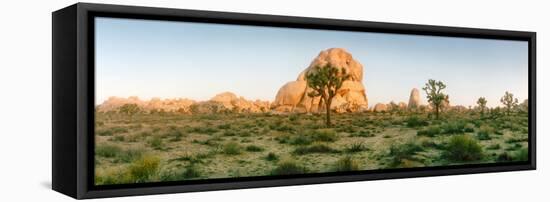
73 99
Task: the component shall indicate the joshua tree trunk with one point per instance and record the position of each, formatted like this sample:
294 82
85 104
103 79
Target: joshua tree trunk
328 102
436 112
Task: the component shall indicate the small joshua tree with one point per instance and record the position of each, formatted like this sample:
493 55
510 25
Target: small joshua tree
325 82
129 109
509 101
435 95
482 104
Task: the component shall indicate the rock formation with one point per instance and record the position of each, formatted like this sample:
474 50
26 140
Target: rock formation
379 107
414 99
223 102
292 96
402 105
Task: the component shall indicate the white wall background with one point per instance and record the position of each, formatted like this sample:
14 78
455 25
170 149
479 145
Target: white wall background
25 99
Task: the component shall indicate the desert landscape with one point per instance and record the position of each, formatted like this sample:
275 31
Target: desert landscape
320 122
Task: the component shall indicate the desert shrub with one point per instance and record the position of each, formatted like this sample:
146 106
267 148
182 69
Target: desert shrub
315 148
494 146
416 121
288 167
175 135
271 156
254 148
117 138
191 171
224 126
521 155
463 148
130 155
155 142
106 150
346 164
401 152
104 132
232 148
516 140
484 132
356 147
469 128
324 135
138 136
203 130
142 169
283 127
293 117
503 157
454 127
300 140
513 147
229 133
429 131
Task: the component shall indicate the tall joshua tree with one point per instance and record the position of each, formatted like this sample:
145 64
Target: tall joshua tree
482 103
435 95
325 82
509 101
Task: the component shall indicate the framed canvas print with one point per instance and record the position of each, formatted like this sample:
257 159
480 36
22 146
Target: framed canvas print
155 100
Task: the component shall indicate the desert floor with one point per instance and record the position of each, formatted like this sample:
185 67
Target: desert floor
172 147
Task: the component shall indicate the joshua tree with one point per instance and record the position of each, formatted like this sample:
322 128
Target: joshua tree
129 109
435 95
509 101
482 103
325 82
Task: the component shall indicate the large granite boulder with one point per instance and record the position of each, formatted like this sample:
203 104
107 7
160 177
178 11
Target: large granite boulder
351 97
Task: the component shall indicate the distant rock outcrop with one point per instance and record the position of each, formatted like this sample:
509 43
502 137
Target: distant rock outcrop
414 99
292 97
379 107
223 102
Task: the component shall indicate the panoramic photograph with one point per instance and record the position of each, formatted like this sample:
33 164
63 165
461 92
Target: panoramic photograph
182 101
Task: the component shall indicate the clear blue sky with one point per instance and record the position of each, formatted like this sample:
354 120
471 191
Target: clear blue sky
148 58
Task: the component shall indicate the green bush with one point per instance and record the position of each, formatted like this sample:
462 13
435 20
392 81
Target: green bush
104 132
346 164
429 131
271 157
155 142
288 167
494 146
130 155
484 132
300 140
232 148
191 171
463 148
175 135
469 128
454 127
254 148
401 152
415 121
356 147
521 155
324 135
315 148
142 169
108 151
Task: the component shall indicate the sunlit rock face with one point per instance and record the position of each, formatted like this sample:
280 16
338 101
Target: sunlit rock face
414 99
351 97
223 102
